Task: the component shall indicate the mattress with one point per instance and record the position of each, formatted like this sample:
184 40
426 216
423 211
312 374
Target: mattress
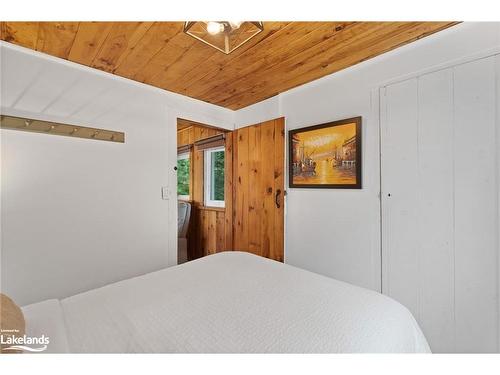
235 302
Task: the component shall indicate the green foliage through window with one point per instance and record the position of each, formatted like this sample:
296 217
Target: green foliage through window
217 191
183 176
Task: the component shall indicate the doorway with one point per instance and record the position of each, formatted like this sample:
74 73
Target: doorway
233 183
204 173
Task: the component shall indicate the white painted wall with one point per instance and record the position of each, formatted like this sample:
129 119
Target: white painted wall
259 112
77 214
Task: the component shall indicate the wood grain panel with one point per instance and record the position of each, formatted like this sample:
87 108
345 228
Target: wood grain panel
212 232
228 192
255 193
217 61
56 38
21 33
299 62
220 231
185 136
283 56
198 158
168 55
182 124
88 41
282 47
258 174
356 43
241 186
205 233
194 237
266 189
122 38
330 62
196 55
157 37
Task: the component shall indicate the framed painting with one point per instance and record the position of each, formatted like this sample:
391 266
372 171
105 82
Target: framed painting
326 155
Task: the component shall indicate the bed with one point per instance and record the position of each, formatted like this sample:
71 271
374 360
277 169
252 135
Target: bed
230 302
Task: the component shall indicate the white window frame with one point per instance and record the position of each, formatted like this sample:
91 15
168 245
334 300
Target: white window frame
186 155
207 177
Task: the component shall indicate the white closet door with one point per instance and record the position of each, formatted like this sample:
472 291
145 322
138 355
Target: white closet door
400 278
476 224
440 204
435 207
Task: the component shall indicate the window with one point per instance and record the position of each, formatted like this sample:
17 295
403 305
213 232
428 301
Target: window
214 177
183 176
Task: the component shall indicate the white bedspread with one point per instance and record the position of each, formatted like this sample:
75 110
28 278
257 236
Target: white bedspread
237 302
46 318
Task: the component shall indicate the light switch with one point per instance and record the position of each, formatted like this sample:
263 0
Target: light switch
164 193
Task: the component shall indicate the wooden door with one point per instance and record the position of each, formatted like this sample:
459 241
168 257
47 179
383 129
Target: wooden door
258 195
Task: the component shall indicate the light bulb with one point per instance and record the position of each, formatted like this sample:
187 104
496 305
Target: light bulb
235 24
214 27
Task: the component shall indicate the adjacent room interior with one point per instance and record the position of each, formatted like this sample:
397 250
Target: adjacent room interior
230 186
202 190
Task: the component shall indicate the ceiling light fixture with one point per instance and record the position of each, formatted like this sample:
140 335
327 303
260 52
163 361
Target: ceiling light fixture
235 24
214 27
224 36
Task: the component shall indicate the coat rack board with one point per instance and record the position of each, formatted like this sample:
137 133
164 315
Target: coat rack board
54 128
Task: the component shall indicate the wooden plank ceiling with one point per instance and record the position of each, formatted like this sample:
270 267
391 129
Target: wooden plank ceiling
283 56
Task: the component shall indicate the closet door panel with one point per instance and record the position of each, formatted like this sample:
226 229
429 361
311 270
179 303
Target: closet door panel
476 220
400 194
440 225
435 208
